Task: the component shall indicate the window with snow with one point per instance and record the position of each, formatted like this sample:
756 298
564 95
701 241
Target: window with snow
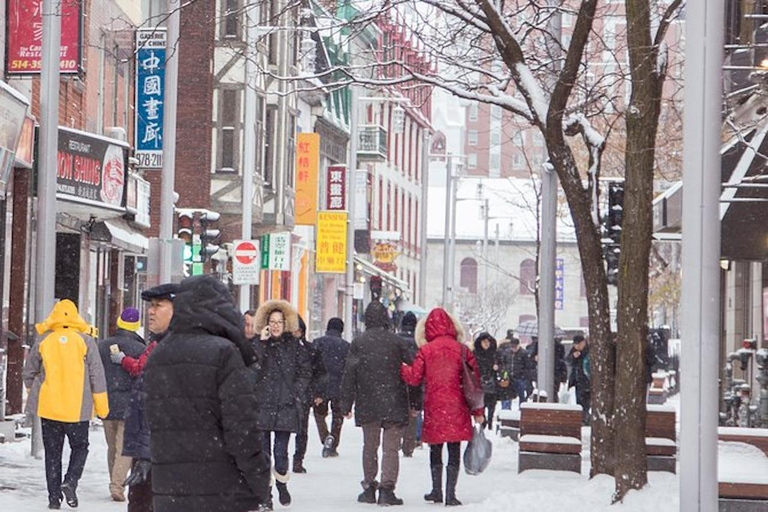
468 278
472 160
472 137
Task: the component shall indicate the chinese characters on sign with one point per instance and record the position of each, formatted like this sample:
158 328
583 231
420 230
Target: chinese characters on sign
150 87
336 194
307 164
331 242
559 284
25 37
280 251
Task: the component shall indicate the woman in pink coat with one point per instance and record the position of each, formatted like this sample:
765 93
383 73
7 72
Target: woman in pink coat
446 414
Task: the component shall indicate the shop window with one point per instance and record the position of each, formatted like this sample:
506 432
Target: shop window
527 277
231 19
468 278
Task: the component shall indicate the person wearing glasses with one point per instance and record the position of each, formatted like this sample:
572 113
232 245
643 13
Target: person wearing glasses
283 375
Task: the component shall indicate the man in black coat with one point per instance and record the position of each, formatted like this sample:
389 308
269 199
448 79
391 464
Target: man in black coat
201 408
415 393
578 358
373 385
485 355
119 384
333 349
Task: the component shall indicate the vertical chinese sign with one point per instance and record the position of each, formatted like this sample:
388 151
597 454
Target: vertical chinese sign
280 251
307 164
559 284
331 243
24 46
150 88
336 191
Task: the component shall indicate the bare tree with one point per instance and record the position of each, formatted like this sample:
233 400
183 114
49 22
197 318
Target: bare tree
486 311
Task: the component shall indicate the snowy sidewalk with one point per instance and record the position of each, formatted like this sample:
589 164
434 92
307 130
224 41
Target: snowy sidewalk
333 484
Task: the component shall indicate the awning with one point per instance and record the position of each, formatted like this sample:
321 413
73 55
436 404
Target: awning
118 233
371 269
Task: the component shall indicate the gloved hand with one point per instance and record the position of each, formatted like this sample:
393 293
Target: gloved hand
139 472
117 357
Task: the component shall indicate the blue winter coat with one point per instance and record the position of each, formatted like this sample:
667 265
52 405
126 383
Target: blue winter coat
334 350
119 381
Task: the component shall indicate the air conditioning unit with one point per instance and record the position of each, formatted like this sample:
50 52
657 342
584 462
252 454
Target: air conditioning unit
116 132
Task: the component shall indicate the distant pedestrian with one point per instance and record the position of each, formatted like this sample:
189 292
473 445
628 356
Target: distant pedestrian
249 326
561 369
372 384
136 438
283 376
485 354
515 372
334 350
201 407
578 358
119 385
316 395
447 418
415 393
65 378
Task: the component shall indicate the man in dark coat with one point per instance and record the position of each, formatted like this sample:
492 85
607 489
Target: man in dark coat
485 355
119 384
333 349
316 395
201 408
514 367
373 385
578 358
415 393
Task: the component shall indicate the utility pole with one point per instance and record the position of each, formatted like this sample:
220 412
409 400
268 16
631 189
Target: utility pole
352 168
169 141
249 142
423 218
546 363
701 256
452 262
45 271
447 246
486 218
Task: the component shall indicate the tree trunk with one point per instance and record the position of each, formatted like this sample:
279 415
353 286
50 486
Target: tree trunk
637 225
602 352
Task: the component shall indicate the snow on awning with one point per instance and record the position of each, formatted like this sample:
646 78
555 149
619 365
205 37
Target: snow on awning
119 234
373 270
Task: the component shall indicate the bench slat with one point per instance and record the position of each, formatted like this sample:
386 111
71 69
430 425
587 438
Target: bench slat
745 491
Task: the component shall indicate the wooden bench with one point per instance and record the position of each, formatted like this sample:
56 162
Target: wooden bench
550 437
661 438
508 424
657 395
742 471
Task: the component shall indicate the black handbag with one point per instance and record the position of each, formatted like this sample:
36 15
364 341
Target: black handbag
473 390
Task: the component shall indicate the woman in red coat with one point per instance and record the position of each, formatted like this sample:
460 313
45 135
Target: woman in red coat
446 413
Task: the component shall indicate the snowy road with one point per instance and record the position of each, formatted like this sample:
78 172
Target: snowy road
331 485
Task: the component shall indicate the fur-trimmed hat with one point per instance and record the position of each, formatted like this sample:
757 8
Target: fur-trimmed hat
420 334
290 315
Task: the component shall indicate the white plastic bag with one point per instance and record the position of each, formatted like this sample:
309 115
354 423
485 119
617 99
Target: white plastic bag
477 456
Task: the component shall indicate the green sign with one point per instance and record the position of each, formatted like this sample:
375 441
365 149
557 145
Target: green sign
265 252
197 269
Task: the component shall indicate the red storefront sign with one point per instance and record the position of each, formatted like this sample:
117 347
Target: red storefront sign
336 188
25 37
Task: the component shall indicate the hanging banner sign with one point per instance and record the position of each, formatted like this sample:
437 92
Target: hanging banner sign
91 169
150 90
336 189
280 251
331 255
24 44
560 284
246 264
307 168
361 199
265 252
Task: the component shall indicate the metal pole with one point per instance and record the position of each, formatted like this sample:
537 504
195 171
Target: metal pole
701 254
486 218
282 165
423 219
447 231
46 182
249 142
546 362
169 141
354 137
452 262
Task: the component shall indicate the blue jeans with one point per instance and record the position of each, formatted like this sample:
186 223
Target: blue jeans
506 404
521 386
279 451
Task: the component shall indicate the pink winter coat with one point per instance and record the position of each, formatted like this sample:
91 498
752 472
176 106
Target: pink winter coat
438 365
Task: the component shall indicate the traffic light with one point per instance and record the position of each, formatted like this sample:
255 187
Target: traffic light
208 236
375 285
612 222
185 231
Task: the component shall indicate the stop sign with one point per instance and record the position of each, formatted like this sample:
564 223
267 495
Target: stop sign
246 252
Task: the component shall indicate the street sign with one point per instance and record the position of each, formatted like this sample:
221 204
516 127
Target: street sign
150 89
280 251
560 285
336 188
307 165
331 243
246 263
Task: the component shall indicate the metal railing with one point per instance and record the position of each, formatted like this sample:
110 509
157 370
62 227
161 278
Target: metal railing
372 142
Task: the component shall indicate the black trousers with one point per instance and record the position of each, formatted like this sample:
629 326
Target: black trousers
337 420
489 400
302 436
54 433
436 454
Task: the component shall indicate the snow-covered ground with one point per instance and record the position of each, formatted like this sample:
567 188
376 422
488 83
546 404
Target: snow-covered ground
333 484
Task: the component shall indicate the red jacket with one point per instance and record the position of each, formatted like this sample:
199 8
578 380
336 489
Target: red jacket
438 365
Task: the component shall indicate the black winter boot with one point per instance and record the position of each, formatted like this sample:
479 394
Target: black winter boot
368 495
70 494
450 486
387 498
436 495
282 491
298 466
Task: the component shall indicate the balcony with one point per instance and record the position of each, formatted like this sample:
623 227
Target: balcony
372 143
